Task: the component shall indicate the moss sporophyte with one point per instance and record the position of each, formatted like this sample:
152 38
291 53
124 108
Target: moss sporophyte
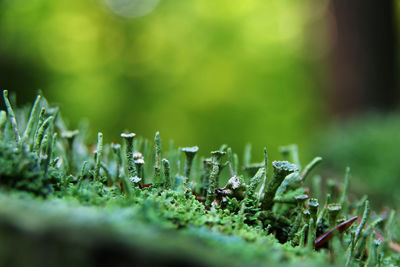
254 205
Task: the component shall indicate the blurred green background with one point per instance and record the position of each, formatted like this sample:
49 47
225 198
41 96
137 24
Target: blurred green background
200 72
205 72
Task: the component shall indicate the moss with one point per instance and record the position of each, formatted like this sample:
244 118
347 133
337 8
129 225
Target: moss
106 202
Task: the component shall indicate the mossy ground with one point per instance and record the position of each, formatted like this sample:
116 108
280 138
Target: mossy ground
65 203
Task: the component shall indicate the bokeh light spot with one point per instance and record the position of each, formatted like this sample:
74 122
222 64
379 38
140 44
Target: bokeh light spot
132 8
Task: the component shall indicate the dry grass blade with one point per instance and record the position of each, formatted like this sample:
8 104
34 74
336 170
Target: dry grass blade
323 239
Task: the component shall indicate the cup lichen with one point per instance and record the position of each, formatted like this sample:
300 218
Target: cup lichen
252 208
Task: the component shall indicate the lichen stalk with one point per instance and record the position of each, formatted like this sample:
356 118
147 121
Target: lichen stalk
70 137
247 155
230 160
312 235
99 156
190 153
44 146
53 146
297 223
235 163
333 212
388 226
167 173
40 133
41 119
3 120
116 148
350 249
303 234
362 242
82 172
139 168
213 179
324 209
33 117
205 176
157 160
12 117
129 147
264 184
281 170
343 196
313 206
307 170
363 220
254 182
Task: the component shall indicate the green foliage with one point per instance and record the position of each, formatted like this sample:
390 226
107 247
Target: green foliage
277 225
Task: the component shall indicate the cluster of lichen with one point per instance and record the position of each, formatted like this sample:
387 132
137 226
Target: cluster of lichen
39 155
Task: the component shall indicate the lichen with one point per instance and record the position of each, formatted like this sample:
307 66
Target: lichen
263 213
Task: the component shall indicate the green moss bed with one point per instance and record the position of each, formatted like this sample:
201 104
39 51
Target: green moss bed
147 203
